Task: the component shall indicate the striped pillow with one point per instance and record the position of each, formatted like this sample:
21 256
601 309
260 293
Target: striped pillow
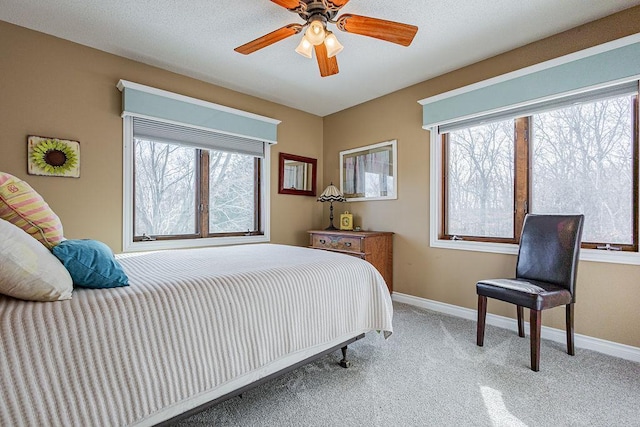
22 206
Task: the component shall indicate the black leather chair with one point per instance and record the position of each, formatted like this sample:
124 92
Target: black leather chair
545 276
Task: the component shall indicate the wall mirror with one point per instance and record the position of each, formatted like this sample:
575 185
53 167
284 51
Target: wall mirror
297 175
370 173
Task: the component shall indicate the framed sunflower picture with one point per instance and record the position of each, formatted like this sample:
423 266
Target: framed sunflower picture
53 157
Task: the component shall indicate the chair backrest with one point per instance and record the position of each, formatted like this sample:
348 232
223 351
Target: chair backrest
549 249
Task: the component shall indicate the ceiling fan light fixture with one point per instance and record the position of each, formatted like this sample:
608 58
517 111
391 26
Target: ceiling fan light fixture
332 44
315 33
317 15
305 47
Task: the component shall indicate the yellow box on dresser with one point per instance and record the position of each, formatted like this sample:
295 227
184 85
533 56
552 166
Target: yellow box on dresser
373 246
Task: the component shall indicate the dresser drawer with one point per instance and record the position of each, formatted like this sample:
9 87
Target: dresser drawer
375 247
340 243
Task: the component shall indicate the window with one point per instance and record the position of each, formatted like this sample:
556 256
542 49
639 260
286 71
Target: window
168 202
165 189
234 193
192 187
480 180
572 155
584 160
195 173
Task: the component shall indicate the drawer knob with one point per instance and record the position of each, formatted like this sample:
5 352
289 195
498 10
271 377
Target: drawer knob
322 241
347 244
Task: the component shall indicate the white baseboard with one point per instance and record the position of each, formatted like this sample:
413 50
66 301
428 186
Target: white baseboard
582 341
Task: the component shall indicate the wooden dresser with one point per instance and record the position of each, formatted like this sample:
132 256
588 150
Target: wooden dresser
373 246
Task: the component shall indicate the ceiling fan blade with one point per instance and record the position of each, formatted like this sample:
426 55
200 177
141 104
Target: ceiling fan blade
269 39
390 31
288 4
328 66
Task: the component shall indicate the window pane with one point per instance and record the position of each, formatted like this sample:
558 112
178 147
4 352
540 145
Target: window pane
583 163
165 189
480 180
232 191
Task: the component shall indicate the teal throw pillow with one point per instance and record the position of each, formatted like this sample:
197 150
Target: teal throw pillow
91 264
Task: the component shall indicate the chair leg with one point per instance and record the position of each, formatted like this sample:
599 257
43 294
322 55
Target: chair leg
570 347
520 321
535 324
482 315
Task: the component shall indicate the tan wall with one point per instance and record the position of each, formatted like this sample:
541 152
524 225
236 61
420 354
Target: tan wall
56 88
608 294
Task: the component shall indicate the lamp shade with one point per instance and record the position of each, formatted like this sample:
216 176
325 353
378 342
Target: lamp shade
315 33
333 45
331 194
305 48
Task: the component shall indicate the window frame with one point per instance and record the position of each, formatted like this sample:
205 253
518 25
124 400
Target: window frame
589 252
131 244
522 127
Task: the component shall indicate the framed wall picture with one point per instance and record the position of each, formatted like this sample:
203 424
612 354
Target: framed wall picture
370 173
53 157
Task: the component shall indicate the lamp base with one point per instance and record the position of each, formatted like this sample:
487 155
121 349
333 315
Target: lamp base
330 227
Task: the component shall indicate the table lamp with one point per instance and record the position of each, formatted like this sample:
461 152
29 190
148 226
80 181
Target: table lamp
331 194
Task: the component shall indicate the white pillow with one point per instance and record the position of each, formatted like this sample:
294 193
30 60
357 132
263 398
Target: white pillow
28 270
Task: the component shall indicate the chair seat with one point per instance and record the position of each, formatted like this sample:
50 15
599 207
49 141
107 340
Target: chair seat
531 294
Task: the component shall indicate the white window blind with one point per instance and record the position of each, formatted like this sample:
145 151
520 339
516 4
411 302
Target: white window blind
170 133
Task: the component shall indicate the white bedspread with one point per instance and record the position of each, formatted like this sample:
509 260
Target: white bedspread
193 325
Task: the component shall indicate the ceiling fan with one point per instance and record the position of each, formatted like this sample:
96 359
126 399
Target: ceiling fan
319 13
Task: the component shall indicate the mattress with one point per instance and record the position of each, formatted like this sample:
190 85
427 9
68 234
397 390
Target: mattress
194 325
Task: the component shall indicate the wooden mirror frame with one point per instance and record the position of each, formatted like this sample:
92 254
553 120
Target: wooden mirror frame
314 170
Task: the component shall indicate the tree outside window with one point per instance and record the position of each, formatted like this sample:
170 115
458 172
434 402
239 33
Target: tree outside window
576 159
171 197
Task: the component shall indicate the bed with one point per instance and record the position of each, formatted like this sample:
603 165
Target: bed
194 326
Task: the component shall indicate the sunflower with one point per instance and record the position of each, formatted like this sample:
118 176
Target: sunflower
54 156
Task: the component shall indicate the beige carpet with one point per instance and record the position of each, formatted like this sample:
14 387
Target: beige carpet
431 373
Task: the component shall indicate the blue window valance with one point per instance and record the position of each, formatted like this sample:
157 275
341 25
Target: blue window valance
151 103
608 64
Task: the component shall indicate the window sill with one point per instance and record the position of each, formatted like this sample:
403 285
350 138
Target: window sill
192 243
592 255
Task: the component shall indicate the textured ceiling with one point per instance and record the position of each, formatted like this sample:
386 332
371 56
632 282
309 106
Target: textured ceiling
197 38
